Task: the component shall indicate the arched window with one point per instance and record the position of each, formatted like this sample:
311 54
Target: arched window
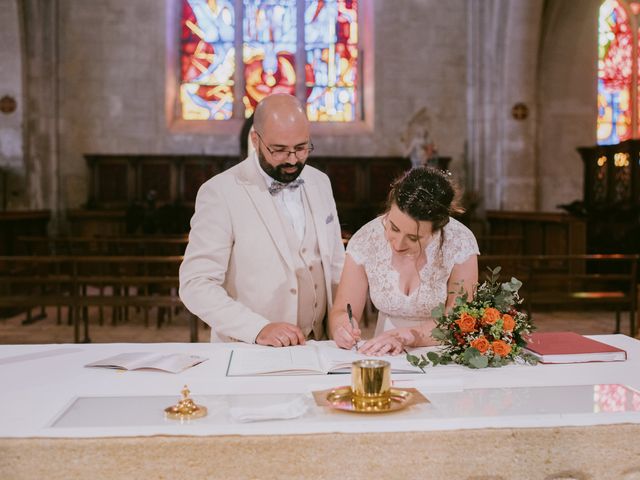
318 62
617 71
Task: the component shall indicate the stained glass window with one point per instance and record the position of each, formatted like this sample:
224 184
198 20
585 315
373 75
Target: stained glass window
326 46
268 50
615 66
207 59
331 44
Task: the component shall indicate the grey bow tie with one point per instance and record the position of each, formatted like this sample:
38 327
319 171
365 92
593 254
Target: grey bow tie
277 186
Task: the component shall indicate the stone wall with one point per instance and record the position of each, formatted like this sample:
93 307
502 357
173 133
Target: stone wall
99 76
111 84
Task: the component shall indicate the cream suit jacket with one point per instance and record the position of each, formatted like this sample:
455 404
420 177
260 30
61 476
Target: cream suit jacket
238 272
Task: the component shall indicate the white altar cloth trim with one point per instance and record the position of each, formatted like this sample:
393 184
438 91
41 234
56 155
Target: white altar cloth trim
40 382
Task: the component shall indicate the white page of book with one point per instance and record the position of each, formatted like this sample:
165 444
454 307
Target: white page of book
129 360
173 362
282 361
580 357
335 358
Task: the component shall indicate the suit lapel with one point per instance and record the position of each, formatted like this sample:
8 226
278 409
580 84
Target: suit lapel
315 201
256 188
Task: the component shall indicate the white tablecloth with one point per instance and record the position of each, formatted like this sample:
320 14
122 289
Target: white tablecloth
40 384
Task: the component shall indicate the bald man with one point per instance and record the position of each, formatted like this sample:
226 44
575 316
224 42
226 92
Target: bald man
265 251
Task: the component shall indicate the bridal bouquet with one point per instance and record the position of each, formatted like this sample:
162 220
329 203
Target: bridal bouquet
486 331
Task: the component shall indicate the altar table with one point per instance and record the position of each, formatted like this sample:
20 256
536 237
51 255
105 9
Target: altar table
59 419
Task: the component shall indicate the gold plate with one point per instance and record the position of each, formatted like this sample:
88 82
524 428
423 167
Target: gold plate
341 398
174 414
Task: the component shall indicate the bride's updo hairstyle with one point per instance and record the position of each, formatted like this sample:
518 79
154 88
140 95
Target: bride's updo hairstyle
425 194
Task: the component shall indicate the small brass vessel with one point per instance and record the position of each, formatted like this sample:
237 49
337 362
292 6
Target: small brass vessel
371 384
186 408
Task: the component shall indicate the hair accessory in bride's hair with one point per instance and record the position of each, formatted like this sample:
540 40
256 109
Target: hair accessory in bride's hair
425 194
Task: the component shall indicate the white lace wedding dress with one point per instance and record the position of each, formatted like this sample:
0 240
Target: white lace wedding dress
369 248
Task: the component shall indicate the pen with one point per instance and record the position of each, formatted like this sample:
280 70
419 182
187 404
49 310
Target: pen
350 313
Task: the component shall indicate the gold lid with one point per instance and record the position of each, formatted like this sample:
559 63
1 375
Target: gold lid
186 408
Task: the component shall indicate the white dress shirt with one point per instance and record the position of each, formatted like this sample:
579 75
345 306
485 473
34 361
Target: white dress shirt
289 201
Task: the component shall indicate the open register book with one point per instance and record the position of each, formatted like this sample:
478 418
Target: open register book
309 359
172 362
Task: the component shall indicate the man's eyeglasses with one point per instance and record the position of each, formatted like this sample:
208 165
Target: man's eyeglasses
301 153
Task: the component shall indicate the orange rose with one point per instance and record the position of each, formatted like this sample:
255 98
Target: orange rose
481 344
466 323
501 348
508 323
491 316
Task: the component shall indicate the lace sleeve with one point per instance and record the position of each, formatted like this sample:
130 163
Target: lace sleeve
463 242
359 246
356 250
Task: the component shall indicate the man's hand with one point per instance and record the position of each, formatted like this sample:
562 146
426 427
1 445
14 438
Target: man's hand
280 334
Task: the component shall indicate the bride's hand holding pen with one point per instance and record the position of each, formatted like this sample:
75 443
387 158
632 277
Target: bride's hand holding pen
347 334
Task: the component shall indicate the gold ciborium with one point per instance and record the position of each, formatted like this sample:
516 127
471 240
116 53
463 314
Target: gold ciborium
186 408
371 385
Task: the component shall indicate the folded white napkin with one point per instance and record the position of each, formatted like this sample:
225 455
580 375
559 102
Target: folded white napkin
293 408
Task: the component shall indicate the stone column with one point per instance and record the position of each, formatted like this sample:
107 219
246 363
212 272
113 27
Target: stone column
567 90
502 64
12 166
40 19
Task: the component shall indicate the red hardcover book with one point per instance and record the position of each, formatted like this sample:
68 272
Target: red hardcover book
570 347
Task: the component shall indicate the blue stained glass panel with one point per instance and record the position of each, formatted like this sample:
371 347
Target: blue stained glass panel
331 48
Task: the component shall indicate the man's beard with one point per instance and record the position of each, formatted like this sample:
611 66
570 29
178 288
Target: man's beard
278 173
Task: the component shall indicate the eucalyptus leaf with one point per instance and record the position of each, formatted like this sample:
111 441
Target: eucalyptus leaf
416 362
412 359
493 278
438 311
434 357
478 362
503 300
470 353
495 362
438 334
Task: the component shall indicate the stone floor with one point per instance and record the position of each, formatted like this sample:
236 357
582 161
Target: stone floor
47 330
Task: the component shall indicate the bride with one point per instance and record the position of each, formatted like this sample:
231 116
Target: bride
411 259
